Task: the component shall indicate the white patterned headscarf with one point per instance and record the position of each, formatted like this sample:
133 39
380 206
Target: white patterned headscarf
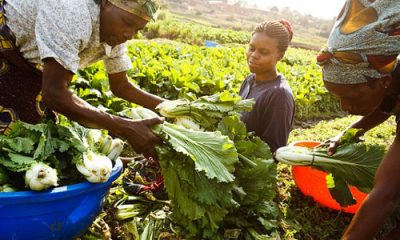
145 9
364 43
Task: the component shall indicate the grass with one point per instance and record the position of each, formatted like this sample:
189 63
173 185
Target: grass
303 218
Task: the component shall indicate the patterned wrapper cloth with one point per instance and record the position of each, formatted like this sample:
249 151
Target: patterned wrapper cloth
364 42
145 9
20 82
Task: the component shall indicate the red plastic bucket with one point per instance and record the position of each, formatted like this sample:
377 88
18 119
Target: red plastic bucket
311 182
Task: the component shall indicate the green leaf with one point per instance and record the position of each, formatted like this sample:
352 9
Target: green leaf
233 127
351 136
182 201
339 191
354 163
211 152
257 182
19 144
207 110
197 199
17 162
46 146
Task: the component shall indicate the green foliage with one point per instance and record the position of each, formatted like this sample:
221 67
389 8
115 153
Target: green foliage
59 146
192 33
92 85
207 111
200 203
26 144
4 176
174 70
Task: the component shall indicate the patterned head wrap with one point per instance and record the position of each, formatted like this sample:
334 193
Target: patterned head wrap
145 9
364 42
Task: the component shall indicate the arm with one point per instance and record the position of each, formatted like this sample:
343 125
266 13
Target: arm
366 123
121 87
370 121
382 200
58 97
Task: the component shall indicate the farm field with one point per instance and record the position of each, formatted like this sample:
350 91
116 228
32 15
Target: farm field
207 177
173 70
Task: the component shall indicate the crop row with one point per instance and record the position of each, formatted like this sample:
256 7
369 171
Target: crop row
175 70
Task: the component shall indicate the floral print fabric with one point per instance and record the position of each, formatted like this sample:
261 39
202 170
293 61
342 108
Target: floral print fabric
66 30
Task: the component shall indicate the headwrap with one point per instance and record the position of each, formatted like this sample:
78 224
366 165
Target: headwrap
364 42
145 9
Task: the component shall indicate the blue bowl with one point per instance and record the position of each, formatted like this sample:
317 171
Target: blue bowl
211 44
60 213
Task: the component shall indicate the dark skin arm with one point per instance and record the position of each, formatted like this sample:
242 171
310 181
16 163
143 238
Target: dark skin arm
366 123
121 87
382 200
57 96
384 197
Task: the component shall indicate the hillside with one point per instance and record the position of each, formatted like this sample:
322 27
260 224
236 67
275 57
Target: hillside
309 32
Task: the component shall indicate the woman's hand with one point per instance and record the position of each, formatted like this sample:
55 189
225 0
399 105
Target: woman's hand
333 143
346 136
139 135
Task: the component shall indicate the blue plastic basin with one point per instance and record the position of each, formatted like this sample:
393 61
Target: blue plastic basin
60 213
209 43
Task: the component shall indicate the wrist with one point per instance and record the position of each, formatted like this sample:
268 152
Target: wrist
117 125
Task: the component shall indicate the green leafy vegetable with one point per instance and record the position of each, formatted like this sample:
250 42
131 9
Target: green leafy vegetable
211 152
353 163
207 111
356 163
47 153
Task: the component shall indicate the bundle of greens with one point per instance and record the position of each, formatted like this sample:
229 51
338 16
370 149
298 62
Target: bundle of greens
256 215
353 163
207 111
45 155
219 182
197 168
252 215
211 152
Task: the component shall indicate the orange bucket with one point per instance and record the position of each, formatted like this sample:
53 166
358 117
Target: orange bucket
312 182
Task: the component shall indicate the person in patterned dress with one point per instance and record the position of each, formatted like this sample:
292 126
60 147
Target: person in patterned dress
43 43
361 67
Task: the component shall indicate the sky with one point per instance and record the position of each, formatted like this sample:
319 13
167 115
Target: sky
326 9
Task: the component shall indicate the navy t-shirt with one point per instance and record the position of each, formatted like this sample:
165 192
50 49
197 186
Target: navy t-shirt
272 115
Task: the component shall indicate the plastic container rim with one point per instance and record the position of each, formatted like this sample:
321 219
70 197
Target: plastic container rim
63 191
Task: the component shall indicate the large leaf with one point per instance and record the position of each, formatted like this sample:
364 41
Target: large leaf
233 127
200 203
355 163
212 153
339 191
258 182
